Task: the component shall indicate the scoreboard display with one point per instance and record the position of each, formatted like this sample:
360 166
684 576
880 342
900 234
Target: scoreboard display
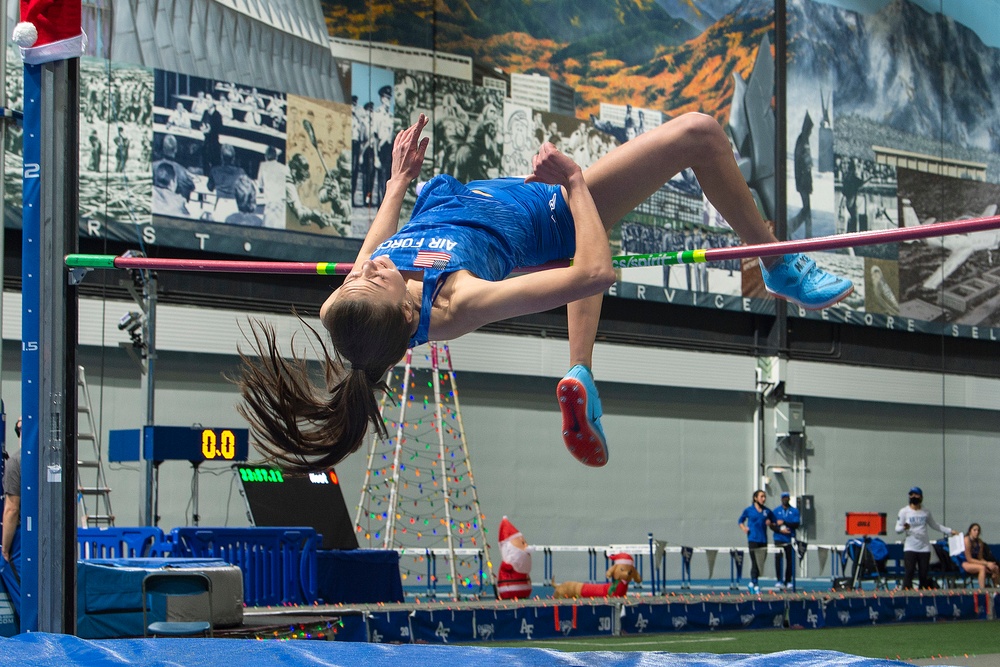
275 498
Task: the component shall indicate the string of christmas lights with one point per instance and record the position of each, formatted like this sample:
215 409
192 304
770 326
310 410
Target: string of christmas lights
419 495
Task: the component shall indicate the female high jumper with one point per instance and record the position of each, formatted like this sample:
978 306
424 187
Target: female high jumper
444 274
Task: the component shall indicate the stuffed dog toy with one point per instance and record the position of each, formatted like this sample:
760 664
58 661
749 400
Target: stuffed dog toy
621 572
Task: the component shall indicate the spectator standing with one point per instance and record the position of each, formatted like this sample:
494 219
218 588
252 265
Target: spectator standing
786 520
913 519
754 521
10 561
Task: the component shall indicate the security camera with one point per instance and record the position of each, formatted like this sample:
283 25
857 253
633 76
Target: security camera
130 322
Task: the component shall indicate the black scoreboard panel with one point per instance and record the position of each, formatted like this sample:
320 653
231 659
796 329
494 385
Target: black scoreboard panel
275 498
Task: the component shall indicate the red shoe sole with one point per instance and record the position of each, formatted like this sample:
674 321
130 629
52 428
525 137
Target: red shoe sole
581 440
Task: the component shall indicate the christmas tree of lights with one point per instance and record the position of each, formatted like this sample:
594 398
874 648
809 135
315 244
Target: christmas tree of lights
419 496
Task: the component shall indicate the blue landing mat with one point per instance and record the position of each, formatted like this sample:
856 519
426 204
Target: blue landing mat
67 651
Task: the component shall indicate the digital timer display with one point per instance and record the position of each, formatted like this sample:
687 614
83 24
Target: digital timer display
261 475
195 443
219 444
179 443
274 476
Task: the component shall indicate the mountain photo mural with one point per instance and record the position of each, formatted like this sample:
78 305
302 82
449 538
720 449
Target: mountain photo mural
671 55
900 94
873 88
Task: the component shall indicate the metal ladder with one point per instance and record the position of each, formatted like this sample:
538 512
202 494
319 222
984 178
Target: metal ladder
94 490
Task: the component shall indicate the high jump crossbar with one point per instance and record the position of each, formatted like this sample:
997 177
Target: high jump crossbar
854 239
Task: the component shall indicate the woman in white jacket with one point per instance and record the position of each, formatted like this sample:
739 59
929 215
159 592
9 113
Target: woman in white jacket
914 520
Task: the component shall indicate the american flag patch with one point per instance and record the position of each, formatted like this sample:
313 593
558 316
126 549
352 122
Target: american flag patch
432 259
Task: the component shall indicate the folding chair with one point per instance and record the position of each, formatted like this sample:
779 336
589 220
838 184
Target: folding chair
945 569
175 583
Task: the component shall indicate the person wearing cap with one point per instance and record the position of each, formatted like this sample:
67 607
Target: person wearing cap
514 578
914 520
754 521
786 520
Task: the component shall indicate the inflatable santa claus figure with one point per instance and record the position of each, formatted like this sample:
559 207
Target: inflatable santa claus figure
514 580
50 30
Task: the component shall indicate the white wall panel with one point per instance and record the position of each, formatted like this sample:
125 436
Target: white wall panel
839 381
188 329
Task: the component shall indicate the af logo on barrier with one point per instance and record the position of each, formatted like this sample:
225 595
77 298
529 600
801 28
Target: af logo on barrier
779 621
713 621
442 632
679 622
812 618
640 623
873 615
485 631
527 628
844 616
747 619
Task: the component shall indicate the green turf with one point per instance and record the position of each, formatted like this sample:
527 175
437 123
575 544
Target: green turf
904 641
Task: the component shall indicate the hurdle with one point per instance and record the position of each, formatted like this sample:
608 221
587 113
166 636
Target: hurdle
821 243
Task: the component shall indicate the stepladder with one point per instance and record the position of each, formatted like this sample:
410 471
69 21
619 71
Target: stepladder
93 493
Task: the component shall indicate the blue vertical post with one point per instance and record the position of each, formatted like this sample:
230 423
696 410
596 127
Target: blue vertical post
48 339
31 249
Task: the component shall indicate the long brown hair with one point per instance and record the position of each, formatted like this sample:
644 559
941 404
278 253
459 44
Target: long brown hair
968 531
300 425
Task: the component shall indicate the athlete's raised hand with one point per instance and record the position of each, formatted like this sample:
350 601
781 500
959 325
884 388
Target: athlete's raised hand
408 151
553 167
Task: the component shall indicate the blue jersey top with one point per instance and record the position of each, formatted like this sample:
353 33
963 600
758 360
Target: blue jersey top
756 522
791 518
486 227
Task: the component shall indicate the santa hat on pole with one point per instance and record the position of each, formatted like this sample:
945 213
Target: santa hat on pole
50 30
617 559
507 530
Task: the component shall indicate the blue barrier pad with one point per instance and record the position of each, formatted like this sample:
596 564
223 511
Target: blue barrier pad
109 592
359 575
68 651
689 616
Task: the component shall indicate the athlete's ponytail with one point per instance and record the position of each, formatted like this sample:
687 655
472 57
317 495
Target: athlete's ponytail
304 427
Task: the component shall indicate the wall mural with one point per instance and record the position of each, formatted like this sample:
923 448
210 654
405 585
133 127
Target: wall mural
889 125
883 129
